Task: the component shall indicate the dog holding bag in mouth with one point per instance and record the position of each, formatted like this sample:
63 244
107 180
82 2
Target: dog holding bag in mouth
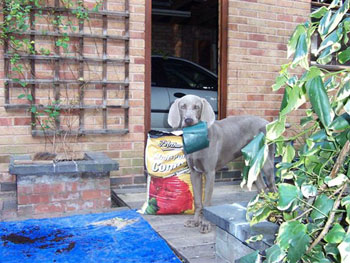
226 138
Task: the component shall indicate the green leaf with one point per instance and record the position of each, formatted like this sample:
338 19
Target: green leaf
326 56
344 56
292 236
253 257
287 195
331 39
344 248
345 201
324 204
320 12
276 128
337 181
308 190
344 91
340 123
293 98
301 52
274 254
280 81
288 154
335 235
256 165
293 41
319 100
329 22
261 215
21 96
252 148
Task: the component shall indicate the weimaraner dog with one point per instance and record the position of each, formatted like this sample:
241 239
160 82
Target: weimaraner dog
226 139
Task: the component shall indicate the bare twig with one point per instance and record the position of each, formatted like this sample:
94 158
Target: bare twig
329 221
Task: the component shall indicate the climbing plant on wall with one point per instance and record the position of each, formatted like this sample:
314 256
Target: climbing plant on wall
312 205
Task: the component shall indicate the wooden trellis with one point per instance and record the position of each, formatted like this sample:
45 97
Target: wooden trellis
79 60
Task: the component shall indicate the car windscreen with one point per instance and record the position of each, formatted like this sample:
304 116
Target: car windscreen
181 74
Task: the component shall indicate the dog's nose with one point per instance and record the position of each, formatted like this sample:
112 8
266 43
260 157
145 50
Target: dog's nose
189 121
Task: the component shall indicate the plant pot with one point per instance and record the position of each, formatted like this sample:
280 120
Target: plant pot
46 188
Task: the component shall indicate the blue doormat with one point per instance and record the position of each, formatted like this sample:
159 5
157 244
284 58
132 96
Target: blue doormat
120 236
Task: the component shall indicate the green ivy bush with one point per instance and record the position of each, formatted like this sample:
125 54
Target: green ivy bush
312 205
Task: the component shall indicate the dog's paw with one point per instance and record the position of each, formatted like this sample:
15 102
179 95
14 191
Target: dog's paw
191 223
205 227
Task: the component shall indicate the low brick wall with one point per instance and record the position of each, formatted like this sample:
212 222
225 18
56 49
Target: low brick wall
64 187
232 231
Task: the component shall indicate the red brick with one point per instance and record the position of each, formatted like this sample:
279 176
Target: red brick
48 188
71 186
248 44
65 196
48 208
7 178
91 194
23 121
24 189
255 97
5 122
257 37
32 199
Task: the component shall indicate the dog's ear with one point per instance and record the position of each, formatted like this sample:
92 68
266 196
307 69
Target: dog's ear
174 117
208 114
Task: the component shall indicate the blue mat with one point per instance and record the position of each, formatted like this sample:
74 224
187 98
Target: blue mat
120 236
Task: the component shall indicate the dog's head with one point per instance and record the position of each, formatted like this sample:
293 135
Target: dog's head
189 110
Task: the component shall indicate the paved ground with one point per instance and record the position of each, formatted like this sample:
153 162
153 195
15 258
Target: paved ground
190 245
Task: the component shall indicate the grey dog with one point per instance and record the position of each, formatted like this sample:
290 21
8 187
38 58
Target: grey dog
226 139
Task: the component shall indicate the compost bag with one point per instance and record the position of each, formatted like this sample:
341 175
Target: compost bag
169 188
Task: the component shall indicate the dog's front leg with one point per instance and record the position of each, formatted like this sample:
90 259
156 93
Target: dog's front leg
196 180
205 226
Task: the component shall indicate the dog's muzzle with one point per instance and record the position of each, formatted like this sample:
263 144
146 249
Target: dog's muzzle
189 122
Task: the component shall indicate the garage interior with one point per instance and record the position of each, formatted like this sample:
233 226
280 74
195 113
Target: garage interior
186 29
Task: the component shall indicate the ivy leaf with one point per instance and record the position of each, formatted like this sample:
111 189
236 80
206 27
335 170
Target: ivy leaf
276 128
288 154
261 215
274 254
287 195
337 181
256 165
293 41
344 248
293 98
324 204
308 190
21 96
320 12
280 81
319 100
344 56
340 123
344 92
329 22
331 39
301 52
292 236
253 257
335 235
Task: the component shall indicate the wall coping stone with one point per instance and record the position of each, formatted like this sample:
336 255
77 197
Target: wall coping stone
94 162
232 219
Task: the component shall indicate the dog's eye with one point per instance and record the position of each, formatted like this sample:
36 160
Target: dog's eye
196 107
183 107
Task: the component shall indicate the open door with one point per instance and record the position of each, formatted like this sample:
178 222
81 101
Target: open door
187 41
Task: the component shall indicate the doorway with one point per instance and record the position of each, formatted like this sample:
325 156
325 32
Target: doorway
188 43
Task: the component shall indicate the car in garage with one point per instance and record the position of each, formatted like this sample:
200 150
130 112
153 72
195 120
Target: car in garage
174 78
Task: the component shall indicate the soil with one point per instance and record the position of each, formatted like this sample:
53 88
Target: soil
51 240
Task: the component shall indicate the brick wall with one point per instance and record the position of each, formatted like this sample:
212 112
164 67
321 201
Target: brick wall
128 150
258 33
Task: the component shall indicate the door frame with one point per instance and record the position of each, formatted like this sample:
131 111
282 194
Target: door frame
222 63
